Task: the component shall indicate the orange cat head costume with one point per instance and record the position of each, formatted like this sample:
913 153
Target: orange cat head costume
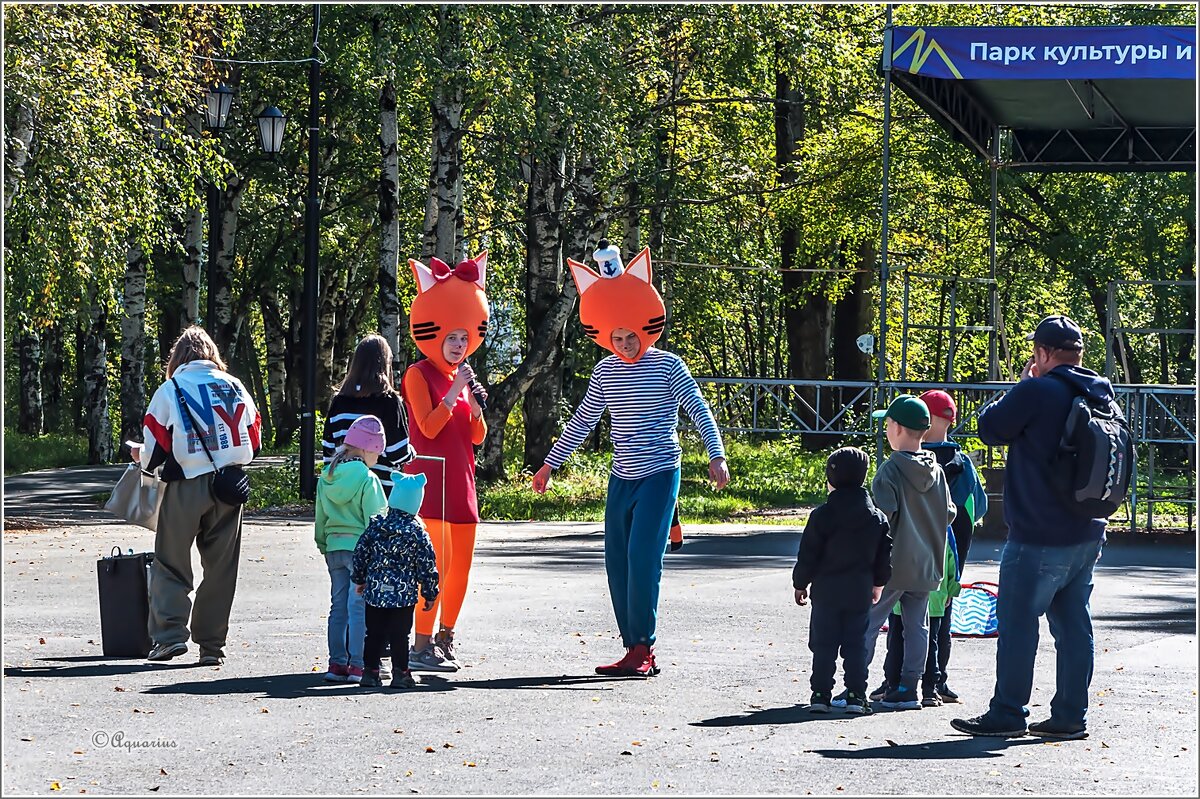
619 297
447 300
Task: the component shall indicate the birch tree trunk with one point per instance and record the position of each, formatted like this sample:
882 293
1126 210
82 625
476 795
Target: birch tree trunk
222 283
443 210
543 278
446 173
53 366
332 301
503 396
133 344
29 356
18 144
94 364
276 334
193 243
389 222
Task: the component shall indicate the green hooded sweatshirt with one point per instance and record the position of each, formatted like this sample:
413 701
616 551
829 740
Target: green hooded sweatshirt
346 501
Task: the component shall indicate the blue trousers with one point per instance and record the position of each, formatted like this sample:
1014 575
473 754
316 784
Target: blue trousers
347 612
637 523
1055 582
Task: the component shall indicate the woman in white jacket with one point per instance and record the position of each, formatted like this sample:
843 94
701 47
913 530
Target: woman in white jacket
219 409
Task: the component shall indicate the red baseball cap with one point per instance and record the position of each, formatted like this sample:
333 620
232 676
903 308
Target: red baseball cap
940 404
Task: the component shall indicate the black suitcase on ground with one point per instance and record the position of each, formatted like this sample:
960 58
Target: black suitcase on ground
125 603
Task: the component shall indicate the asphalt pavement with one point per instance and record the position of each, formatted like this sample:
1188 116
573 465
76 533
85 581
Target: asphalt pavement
527 715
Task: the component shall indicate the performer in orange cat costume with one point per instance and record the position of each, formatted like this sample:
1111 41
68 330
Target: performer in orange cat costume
642 388
448 321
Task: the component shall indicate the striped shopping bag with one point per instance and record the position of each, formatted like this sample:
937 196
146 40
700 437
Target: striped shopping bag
973 614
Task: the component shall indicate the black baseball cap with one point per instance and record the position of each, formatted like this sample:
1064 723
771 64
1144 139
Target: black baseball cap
847 467
1057 332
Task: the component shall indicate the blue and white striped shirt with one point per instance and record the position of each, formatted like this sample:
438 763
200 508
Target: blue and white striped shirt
643 402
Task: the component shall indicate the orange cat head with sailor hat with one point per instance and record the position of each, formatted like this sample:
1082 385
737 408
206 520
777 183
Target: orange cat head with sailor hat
619 297
448 300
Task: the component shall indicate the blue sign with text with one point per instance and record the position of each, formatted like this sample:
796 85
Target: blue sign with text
1046 53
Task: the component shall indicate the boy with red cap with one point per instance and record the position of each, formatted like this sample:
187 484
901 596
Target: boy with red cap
970 501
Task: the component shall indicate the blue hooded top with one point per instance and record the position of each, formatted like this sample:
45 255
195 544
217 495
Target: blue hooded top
1030 419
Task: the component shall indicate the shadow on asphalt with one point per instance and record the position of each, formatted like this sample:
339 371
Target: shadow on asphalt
311 684
97 666
794 714
1178 618
963 748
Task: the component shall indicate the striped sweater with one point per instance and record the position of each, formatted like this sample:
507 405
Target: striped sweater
345 408
643 402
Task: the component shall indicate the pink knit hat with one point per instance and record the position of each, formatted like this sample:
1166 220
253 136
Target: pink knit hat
366 433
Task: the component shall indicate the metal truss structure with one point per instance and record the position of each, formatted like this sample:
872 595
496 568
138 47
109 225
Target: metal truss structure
1162 418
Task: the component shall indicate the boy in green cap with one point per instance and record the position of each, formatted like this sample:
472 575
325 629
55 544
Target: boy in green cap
911 490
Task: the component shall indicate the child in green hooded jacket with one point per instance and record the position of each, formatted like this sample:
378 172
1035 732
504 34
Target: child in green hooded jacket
348 495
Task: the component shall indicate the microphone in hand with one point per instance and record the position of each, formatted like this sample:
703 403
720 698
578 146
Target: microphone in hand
477 391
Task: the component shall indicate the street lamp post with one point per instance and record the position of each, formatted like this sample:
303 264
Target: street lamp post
308 419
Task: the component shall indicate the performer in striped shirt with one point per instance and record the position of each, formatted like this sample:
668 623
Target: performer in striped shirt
642 388
368 391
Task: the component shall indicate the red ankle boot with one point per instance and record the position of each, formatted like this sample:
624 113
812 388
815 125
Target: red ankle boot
622 667
644 665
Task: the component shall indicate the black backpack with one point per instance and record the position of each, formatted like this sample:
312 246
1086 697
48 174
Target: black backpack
1094 463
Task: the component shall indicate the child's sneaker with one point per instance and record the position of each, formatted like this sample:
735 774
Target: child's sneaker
901 698
370 679
338 672
948 696
857 705
354 674
880 692
644 664
406 679
840 699
930 699
819 702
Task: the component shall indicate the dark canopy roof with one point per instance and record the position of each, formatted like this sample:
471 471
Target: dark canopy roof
1098 99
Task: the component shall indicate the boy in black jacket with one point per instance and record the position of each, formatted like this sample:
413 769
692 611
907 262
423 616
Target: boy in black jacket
846 556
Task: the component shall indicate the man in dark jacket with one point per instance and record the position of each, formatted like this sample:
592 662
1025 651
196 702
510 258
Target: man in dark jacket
845 556
1046 567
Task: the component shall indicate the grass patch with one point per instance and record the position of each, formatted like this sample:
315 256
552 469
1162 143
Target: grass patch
766 475
26 453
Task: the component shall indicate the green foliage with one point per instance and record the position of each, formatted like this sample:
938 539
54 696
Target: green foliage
766 476
24 453
276 486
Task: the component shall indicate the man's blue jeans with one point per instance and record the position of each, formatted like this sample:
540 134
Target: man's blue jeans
1056 582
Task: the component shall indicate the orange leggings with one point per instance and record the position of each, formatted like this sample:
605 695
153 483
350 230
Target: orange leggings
454 547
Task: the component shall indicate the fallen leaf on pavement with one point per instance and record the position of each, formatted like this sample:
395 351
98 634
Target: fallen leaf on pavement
626 752
54 786
890 742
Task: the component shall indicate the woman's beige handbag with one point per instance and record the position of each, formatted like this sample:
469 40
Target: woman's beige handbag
137 497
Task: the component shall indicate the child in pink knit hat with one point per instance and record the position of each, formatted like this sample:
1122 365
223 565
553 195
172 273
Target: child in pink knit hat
348 495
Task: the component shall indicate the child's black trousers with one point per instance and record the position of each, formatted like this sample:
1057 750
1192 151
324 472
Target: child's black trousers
833 628
387 626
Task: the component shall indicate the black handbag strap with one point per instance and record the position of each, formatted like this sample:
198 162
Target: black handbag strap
195 424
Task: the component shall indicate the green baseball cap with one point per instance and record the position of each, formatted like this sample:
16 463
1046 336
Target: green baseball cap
908 411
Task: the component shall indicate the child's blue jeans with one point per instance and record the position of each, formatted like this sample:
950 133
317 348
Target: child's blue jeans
347 612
